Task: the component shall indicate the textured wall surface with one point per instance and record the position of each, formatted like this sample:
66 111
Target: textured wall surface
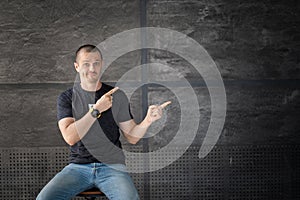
38 40
255 45
256 48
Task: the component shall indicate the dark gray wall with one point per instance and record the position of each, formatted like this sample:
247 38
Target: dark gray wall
254 44
256 48
37 41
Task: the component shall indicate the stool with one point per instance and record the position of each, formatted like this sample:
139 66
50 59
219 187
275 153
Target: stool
91 194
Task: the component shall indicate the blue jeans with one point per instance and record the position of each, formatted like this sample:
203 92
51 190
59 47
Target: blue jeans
75 178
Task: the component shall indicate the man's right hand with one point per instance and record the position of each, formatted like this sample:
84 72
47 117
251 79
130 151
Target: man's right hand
105 102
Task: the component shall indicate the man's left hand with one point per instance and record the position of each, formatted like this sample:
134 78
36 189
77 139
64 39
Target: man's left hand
155 112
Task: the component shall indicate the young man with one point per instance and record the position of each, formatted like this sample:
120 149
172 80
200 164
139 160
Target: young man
90 116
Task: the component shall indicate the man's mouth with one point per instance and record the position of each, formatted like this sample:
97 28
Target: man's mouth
92 73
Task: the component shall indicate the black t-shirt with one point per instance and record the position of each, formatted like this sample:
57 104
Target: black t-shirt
101 143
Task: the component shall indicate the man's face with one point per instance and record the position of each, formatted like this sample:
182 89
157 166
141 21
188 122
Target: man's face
88 65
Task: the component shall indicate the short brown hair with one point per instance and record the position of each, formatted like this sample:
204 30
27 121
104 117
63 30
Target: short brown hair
88 48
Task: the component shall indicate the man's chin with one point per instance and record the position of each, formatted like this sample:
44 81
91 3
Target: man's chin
94 81
91 80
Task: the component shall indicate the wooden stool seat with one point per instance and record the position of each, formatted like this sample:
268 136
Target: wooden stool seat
91 193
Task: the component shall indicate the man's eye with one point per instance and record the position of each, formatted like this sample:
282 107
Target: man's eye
96 63
86 64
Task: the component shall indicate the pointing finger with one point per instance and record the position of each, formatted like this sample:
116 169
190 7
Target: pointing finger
165 104
112 91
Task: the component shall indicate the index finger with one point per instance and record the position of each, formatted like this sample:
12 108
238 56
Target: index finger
165 104
112 91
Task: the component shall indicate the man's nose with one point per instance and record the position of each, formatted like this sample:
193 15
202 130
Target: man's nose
91 68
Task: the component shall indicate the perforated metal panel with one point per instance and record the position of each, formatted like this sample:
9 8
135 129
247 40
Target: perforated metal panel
191 178
24 171
240 172
264 172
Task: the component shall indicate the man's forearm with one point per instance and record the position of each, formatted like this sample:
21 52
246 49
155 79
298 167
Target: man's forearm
138 131
135 132
78 129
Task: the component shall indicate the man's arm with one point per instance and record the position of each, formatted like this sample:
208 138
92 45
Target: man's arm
73 131
134 132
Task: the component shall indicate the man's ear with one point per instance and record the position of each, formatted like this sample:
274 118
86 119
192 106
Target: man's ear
76 66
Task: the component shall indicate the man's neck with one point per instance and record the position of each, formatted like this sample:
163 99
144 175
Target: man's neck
91 87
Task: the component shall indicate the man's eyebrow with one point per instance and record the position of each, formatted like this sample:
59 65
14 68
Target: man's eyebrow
90 60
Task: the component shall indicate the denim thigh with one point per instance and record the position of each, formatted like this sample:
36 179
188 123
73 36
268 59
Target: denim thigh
66 184
115 182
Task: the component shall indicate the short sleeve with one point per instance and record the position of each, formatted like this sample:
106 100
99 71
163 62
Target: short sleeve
121 107
64 105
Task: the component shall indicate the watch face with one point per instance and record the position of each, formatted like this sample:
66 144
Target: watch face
95 113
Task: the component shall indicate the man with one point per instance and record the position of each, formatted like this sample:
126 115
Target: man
90 116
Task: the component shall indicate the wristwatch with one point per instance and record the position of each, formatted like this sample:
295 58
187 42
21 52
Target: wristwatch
95 113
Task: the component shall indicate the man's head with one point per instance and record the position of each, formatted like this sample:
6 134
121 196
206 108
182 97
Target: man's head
88 63
87 48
